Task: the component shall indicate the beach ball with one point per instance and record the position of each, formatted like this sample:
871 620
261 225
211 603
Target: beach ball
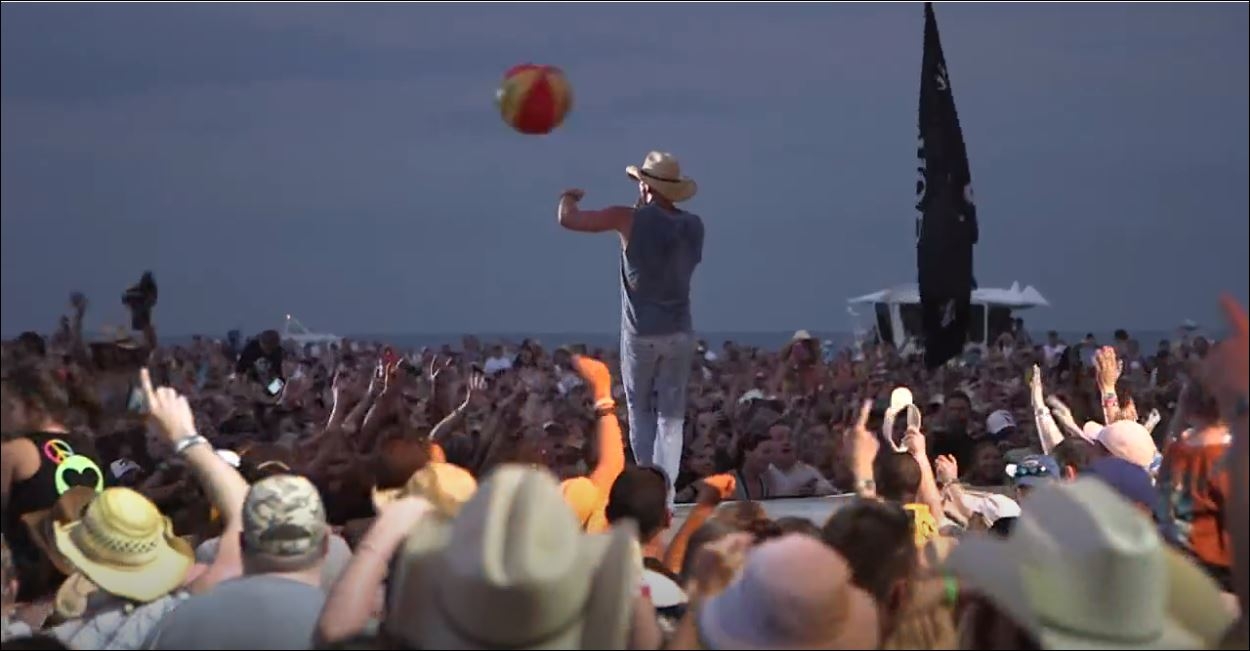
534 99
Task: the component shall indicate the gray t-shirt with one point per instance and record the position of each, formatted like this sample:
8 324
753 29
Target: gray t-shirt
657 264
252 612
338 554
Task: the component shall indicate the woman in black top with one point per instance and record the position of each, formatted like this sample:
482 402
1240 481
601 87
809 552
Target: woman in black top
41 459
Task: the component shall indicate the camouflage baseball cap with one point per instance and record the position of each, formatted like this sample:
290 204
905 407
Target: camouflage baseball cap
283 516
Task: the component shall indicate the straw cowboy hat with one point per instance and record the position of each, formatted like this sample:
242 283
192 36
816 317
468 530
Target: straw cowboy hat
793 593
69 507
1082 568
662 173
447 486
516 553
125 546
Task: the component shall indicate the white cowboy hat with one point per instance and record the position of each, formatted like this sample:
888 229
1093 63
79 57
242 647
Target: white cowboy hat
1083 569
515 552
661 171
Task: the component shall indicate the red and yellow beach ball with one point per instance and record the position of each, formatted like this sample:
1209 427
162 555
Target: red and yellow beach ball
534 99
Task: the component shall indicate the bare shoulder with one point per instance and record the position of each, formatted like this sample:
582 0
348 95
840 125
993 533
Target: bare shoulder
19 446
22 455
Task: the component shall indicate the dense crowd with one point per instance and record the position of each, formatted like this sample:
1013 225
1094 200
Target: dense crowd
267 494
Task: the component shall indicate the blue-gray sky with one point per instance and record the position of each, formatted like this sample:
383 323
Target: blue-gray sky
346 162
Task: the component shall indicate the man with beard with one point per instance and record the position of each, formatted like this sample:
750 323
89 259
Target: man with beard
950 434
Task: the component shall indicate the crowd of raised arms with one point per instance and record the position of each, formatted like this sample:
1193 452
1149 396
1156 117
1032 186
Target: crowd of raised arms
265 494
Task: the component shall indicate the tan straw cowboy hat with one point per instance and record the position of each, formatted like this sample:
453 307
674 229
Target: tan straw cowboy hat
125 546
661 171
445 485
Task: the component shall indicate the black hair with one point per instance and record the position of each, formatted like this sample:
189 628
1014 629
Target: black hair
1003 527
958 395
1074 452
898 476
877 542
32 343
34 642
749 442
640 493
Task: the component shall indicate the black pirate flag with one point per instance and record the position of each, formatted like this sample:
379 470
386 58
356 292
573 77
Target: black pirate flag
947 227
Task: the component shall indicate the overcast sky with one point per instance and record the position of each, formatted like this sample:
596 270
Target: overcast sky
346 162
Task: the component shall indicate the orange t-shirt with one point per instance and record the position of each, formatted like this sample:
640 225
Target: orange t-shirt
1194 486
588 503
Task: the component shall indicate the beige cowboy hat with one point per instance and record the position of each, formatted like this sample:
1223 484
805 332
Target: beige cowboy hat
516 552
1083 569
661 171
125 546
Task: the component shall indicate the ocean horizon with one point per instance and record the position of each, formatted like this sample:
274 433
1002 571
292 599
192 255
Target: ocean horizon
1148 339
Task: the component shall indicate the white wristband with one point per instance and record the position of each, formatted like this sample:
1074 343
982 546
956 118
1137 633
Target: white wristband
187 443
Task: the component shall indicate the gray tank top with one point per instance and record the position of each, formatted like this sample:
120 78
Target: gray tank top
657 264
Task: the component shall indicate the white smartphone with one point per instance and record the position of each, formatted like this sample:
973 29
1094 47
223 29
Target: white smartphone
275 387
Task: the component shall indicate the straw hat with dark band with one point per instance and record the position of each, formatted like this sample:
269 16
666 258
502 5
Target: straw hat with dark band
125 546
662 173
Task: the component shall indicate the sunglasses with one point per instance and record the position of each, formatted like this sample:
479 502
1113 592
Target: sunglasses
1016 471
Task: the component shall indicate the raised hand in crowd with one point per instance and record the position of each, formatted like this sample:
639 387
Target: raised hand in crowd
946 470
170 419
715 489
1152 420
864 446
475 385
1063 416
1107 370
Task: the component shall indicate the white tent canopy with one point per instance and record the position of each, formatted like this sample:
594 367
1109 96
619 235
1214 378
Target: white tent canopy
909 294
295 331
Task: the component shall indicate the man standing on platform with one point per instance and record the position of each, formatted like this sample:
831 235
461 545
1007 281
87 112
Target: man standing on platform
661 245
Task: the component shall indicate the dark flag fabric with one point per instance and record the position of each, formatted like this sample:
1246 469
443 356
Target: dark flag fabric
947 226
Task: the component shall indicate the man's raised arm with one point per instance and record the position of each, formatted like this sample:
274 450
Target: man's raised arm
570 216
